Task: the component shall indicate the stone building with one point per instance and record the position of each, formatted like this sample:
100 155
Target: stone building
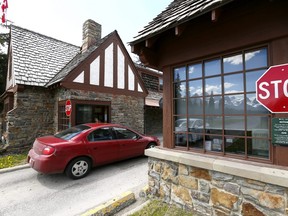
221 154
99 79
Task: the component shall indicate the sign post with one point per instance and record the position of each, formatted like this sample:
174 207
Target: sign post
272 89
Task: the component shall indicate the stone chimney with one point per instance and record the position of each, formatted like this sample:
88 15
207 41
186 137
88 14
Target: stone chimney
91 34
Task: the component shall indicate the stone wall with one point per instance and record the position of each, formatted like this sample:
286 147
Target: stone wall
31 116
125 110
210 192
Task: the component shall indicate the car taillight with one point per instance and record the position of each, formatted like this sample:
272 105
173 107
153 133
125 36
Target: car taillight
48 150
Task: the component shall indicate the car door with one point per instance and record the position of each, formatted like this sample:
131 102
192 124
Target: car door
103 146
130 143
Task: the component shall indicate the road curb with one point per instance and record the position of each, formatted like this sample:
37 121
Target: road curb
112 206
11 169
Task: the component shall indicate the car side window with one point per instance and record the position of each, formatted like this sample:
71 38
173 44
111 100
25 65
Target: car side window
123 133
100 135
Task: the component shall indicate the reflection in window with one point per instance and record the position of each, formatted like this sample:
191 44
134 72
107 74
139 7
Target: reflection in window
234 125
213 105
213 86
212 67
258 147
234 104
195 71
233 63
214 124
180 107
251 78
222 94
234 145
256 124
180 89
253 106
195 106
195 88
256 59
213 143
179 74
233 83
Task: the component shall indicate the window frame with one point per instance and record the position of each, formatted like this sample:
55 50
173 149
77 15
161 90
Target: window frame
175 83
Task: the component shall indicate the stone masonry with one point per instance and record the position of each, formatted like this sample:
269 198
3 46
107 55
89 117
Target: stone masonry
214 193
32 116
126 110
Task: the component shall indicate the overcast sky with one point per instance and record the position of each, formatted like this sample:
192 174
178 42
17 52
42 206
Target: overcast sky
63 19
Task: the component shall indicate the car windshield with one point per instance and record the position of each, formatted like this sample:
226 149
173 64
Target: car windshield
71 132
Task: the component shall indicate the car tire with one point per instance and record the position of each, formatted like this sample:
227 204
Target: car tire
151 145
78 168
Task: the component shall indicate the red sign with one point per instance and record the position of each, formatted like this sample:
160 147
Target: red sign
68 108
272 89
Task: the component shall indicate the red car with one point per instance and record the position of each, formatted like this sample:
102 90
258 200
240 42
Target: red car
76 150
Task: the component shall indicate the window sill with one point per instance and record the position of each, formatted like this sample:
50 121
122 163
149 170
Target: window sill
271 174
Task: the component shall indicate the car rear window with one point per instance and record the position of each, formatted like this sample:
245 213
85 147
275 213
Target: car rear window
71 132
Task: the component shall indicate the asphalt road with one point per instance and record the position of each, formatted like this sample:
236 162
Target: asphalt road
26 192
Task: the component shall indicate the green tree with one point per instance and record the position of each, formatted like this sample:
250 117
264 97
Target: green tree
4 39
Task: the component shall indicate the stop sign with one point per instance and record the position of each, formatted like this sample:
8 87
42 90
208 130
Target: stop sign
68 108
272 89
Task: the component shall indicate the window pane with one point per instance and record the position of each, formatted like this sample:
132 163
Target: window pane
233 63
180 124
212 67
214 124
213 105
234 104
258 148
257 126
213 86
213 143
180 139
253 106
233 83
234 125
195 88
195 71
256 59
123 133
235 145
180 89
180 107
179 74
251 79
195 106
100 135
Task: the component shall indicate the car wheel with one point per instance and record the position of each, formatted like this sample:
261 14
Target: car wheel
78 168
150 145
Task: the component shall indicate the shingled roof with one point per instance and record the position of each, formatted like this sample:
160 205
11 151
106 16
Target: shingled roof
179 11
38 58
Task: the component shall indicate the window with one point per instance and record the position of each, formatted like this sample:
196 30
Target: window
123 133
215 107
160 84
86 113
100 135
63 119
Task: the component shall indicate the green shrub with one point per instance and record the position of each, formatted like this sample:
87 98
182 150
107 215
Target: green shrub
12 160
